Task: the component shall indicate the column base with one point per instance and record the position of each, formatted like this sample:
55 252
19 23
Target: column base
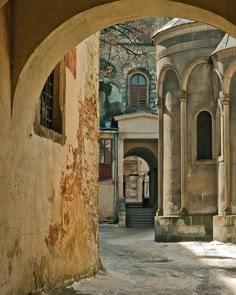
227 211
159 212
183 212
224 228
183 228
122 213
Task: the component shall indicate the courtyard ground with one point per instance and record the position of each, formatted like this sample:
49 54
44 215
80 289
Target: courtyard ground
136 264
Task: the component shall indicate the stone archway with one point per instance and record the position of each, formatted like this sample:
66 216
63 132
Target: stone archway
42 32
148 156
50 37
141 210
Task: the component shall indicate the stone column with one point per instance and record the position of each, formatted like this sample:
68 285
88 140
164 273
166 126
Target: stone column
183 143
160 159
122 211
226 150
221 178
224 225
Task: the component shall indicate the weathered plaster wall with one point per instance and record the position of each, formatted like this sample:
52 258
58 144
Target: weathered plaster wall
106 200
5 113
49 192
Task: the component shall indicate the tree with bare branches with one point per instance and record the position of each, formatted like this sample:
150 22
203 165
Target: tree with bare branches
127 43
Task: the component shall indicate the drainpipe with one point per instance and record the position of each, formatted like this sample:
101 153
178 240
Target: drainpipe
115 159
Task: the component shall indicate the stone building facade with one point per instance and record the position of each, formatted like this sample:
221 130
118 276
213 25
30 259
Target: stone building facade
195 84
117 89
194 72
128 119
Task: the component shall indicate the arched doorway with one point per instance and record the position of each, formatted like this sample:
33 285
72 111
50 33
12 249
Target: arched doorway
137 181
140 187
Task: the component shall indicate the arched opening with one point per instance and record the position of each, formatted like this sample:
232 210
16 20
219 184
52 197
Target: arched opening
140 187
138 91
148 165
204 136
66 28
136 181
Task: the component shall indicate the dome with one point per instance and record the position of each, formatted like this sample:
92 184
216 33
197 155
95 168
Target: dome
175 22
226 43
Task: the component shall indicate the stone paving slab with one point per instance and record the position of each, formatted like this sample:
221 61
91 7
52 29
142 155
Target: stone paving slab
137 265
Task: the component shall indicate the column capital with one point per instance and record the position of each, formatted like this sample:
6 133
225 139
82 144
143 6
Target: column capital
159 102
182 99
224 99
181 95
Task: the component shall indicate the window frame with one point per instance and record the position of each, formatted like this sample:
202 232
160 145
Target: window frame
105 169
57 131
47 108
195 160
147 79
204 118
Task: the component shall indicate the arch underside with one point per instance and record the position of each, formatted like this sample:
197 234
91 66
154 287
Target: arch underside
148 156
50 36
3 2
144 153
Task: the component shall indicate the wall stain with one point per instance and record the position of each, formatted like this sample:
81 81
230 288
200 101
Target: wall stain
71 180
55 235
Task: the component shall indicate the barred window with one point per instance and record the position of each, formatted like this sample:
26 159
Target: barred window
138 91
50 113
46 102
204 136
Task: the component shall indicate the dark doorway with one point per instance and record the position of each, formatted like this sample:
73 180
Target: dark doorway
140 187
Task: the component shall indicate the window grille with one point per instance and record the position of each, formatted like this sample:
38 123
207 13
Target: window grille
46 103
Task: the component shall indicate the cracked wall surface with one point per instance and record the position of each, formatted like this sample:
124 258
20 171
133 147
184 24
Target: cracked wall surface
48 191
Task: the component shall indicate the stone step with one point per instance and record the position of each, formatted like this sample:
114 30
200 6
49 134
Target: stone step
140 217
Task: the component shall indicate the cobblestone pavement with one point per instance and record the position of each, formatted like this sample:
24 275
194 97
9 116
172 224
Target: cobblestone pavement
137 265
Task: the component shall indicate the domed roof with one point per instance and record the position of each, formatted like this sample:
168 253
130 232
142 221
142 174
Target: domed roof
226 43
175 22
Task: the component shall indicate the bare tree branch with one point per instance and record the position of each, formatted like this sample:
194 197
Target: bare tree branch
127 41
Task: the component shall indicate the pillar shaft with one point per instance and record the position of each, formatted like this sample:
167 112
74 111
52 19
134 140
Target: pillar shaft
226 144
183 142
122 209
120 167
160 160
